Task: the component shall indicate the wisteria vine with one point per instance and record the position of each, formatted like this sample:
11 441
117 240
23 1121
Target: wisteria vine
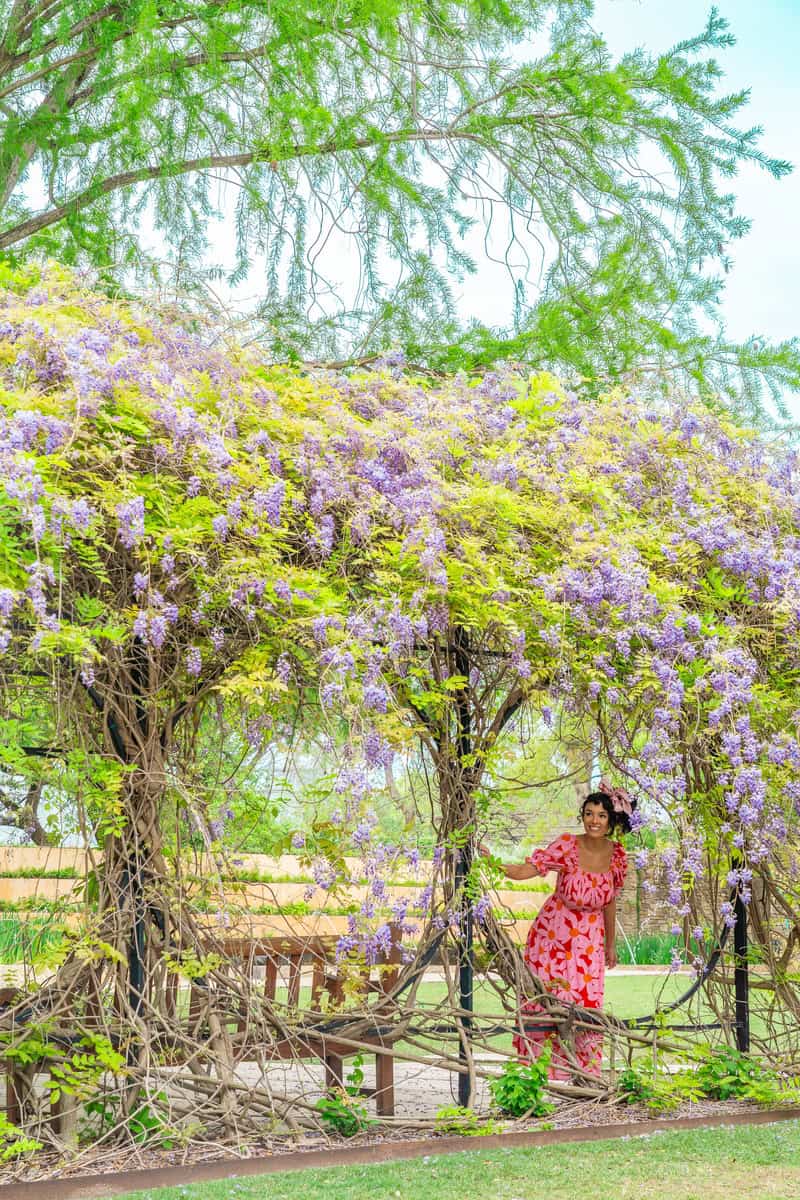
403 565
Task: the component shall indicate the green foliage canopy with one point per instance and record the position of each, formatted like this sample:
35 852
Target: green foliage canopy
378 125
181 525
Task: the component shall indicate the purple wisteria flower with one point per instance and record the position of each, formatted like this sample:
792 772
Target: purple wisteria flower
130 517
158 630
376 698
220 526
270 502
331 693
81 515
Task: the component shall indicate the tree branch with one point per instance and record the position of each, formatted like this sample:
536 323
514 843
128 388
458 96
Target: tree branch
512 703
216 162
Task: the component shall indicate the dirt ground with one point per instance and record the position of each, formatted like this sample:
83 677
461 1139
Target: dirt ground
420 1092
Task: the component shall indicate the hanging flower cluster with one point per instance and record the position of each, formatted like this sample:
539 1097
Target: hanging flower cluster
176 512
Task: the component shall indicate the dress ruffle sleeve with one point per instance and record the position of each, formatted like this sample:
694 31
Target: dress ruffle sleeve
619 867
555 857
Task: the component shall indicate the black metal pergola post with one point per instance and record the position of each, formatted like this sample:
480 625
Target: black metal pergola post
741 980
466 975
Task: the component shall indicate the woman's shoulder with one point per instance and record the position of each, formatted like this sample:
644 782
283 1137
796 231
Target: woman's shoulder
558 855
568 845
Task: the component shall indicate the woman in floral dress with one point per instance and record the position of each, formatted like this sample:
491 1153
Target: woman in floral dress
571 942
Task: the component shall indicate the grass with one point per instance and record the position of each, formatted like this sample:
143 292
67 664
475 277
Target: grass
701 1165
625 995
25 939
41 873
639 995
650 949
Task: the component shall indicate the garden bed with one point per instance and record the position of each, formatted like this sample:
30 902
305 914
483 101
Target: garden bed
152 1168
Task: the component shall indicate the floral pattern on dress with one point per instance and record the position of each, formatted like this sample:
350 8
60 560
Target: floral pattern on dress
566 947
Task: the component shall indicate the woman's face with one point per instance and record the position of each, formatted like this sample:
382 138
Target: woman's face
595 820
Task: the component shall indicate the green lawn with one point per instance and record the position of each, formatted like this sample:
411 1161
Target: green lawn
639 995
626 996
760 1161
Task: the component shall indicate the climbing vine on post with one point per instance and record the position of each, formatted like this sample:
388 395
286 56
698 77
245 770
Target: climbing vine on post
189 535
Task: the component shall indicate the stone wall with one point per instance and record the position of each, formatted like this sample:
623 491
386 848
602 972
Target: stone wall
239 899
640 911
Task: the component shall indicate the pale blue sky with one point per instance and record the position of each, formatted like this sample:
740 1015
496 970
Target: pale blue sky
763 288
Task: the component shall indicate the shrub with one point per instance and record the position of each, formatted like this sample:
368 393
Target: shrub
658 1092
463 1121
730 1075
519 1089
341 1108
13 1141
650 949
727 1074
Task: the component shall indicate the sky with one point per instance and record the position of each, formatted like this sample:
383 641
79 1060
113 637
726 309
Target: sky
762 292
763 288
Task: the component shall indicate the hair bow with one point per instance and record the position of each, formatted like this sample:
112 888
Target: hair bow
619 798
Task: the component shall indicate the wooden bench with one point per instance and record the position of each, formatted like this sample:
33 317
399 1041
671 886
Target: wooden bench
281 957
20 1082
289 956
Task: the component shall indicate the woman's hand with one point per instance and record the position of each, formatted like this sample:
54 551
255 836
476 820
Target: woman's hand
518 871
611 956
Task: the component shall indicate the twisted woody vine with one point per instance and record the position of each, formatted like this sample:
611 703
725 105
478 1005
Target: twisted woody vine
195 542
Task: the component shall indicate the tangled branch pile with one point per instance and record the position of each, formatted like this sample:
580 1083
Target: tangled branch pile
195 546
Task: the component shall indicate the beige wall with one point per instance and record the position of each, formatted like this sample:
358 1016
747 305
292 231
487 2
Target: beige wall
237 897
652 914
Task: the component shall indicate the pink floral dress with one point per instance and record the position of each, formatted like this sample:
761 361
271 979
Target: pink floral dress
566 946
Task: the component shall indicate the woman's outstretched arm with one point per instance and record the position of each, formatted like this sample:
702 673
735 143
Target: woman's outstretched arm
512 870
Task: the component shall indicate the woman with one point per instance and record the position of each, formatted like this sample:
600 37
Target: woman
571 942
